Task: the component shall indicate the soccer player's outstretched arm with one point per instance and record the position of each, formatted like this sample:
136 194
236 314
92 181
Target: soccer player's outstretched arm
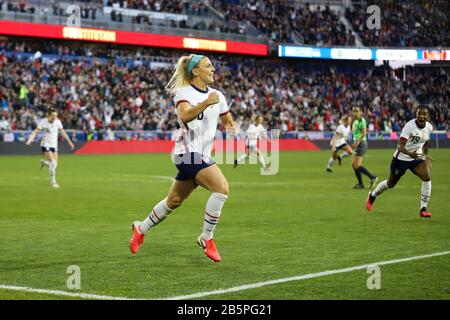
32 136
66 137
188 113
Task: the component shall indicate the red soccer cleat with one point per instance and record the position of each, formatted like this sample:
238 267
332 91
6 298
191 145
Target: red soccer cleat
369 201
138 237
424 213
210 248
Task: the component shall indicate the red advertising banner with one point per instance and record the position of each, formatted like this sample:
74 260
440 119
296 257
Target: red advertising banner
132 38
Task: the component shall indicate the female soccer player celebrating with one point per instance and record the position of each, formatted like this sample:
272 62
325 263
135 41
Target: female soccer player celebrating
359 129
412 154
339 142
51 126
198 108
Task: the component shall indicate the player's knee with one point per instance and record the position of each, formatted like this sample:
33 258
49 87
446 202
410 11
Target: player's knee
222 188
174 202
426 178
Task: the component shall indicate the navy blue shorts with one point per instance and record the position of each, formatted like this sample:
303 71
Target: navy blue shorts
399 167
189 164
47 149
341 146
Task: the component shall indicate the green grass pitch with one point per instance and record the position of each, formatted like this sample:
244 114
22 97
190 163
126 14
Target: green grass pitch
302 220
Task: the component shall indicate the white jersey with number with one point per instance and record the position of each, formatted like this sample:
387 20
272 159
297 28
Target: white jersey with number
198 135
343 132
415 139
51 130
254 133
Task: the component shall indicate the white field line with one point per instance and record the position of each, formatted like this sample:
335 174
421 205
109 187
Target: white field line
302 277
232 289
64 293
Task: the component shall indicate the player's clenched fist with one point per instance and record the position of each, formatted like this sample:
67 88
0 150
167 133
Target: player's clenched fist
213 98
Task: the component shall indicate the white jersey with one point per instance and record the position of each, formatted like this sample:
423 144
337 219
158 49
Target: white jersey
50 129
415 139
198 135
343 132
254 133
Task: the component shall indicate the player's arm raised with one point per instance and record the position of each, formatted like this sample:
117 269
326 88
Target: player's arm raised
187 113
66 137
32 136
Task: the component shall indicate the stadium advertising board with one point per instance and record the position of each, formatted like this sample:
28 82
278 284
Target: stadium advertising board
363 53
132 38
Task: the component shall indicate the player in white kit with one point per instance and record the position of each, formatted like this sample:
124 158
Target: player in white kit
199 108
51 126
412 154
339 142
254 132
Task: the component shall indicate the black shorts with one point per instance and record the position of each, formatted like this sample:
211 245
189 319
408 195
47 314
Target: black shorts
47 149
341 147
361 149
189 164
399 167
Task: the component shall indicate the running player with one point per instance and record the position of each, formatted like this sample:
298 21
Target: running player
340 140
412 154
198 108
254 132
51 126
359 130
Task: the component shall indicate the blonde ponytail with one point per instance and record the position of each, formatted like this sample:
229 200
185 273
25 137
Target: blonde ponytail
181 77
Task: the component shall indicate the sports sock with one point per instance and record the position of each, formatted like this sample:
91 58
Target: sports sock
46 163
158 214
379 188
52 171
358 176
262 161
344 154
425 194
330 163
212 214
366 172
241 158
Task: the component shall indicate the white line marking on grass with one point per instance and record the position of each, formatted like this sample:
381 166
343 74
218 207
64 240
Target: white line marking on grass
301 277
64 293
232 289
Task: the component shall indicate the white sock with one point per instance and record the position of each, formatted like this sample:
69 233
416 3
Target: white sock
212 214
46 163
261 160
241 158
158 214
379 188
344 154
425 194
52 170
330 163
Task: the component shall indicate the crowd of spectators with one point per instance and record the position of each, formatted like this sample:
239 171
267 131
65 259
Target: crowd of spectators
94 96
404 23
17 6
285 21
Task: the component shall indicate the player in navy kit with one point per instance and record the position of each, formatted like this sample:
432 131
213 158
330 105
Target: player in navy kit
411 154
199 108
